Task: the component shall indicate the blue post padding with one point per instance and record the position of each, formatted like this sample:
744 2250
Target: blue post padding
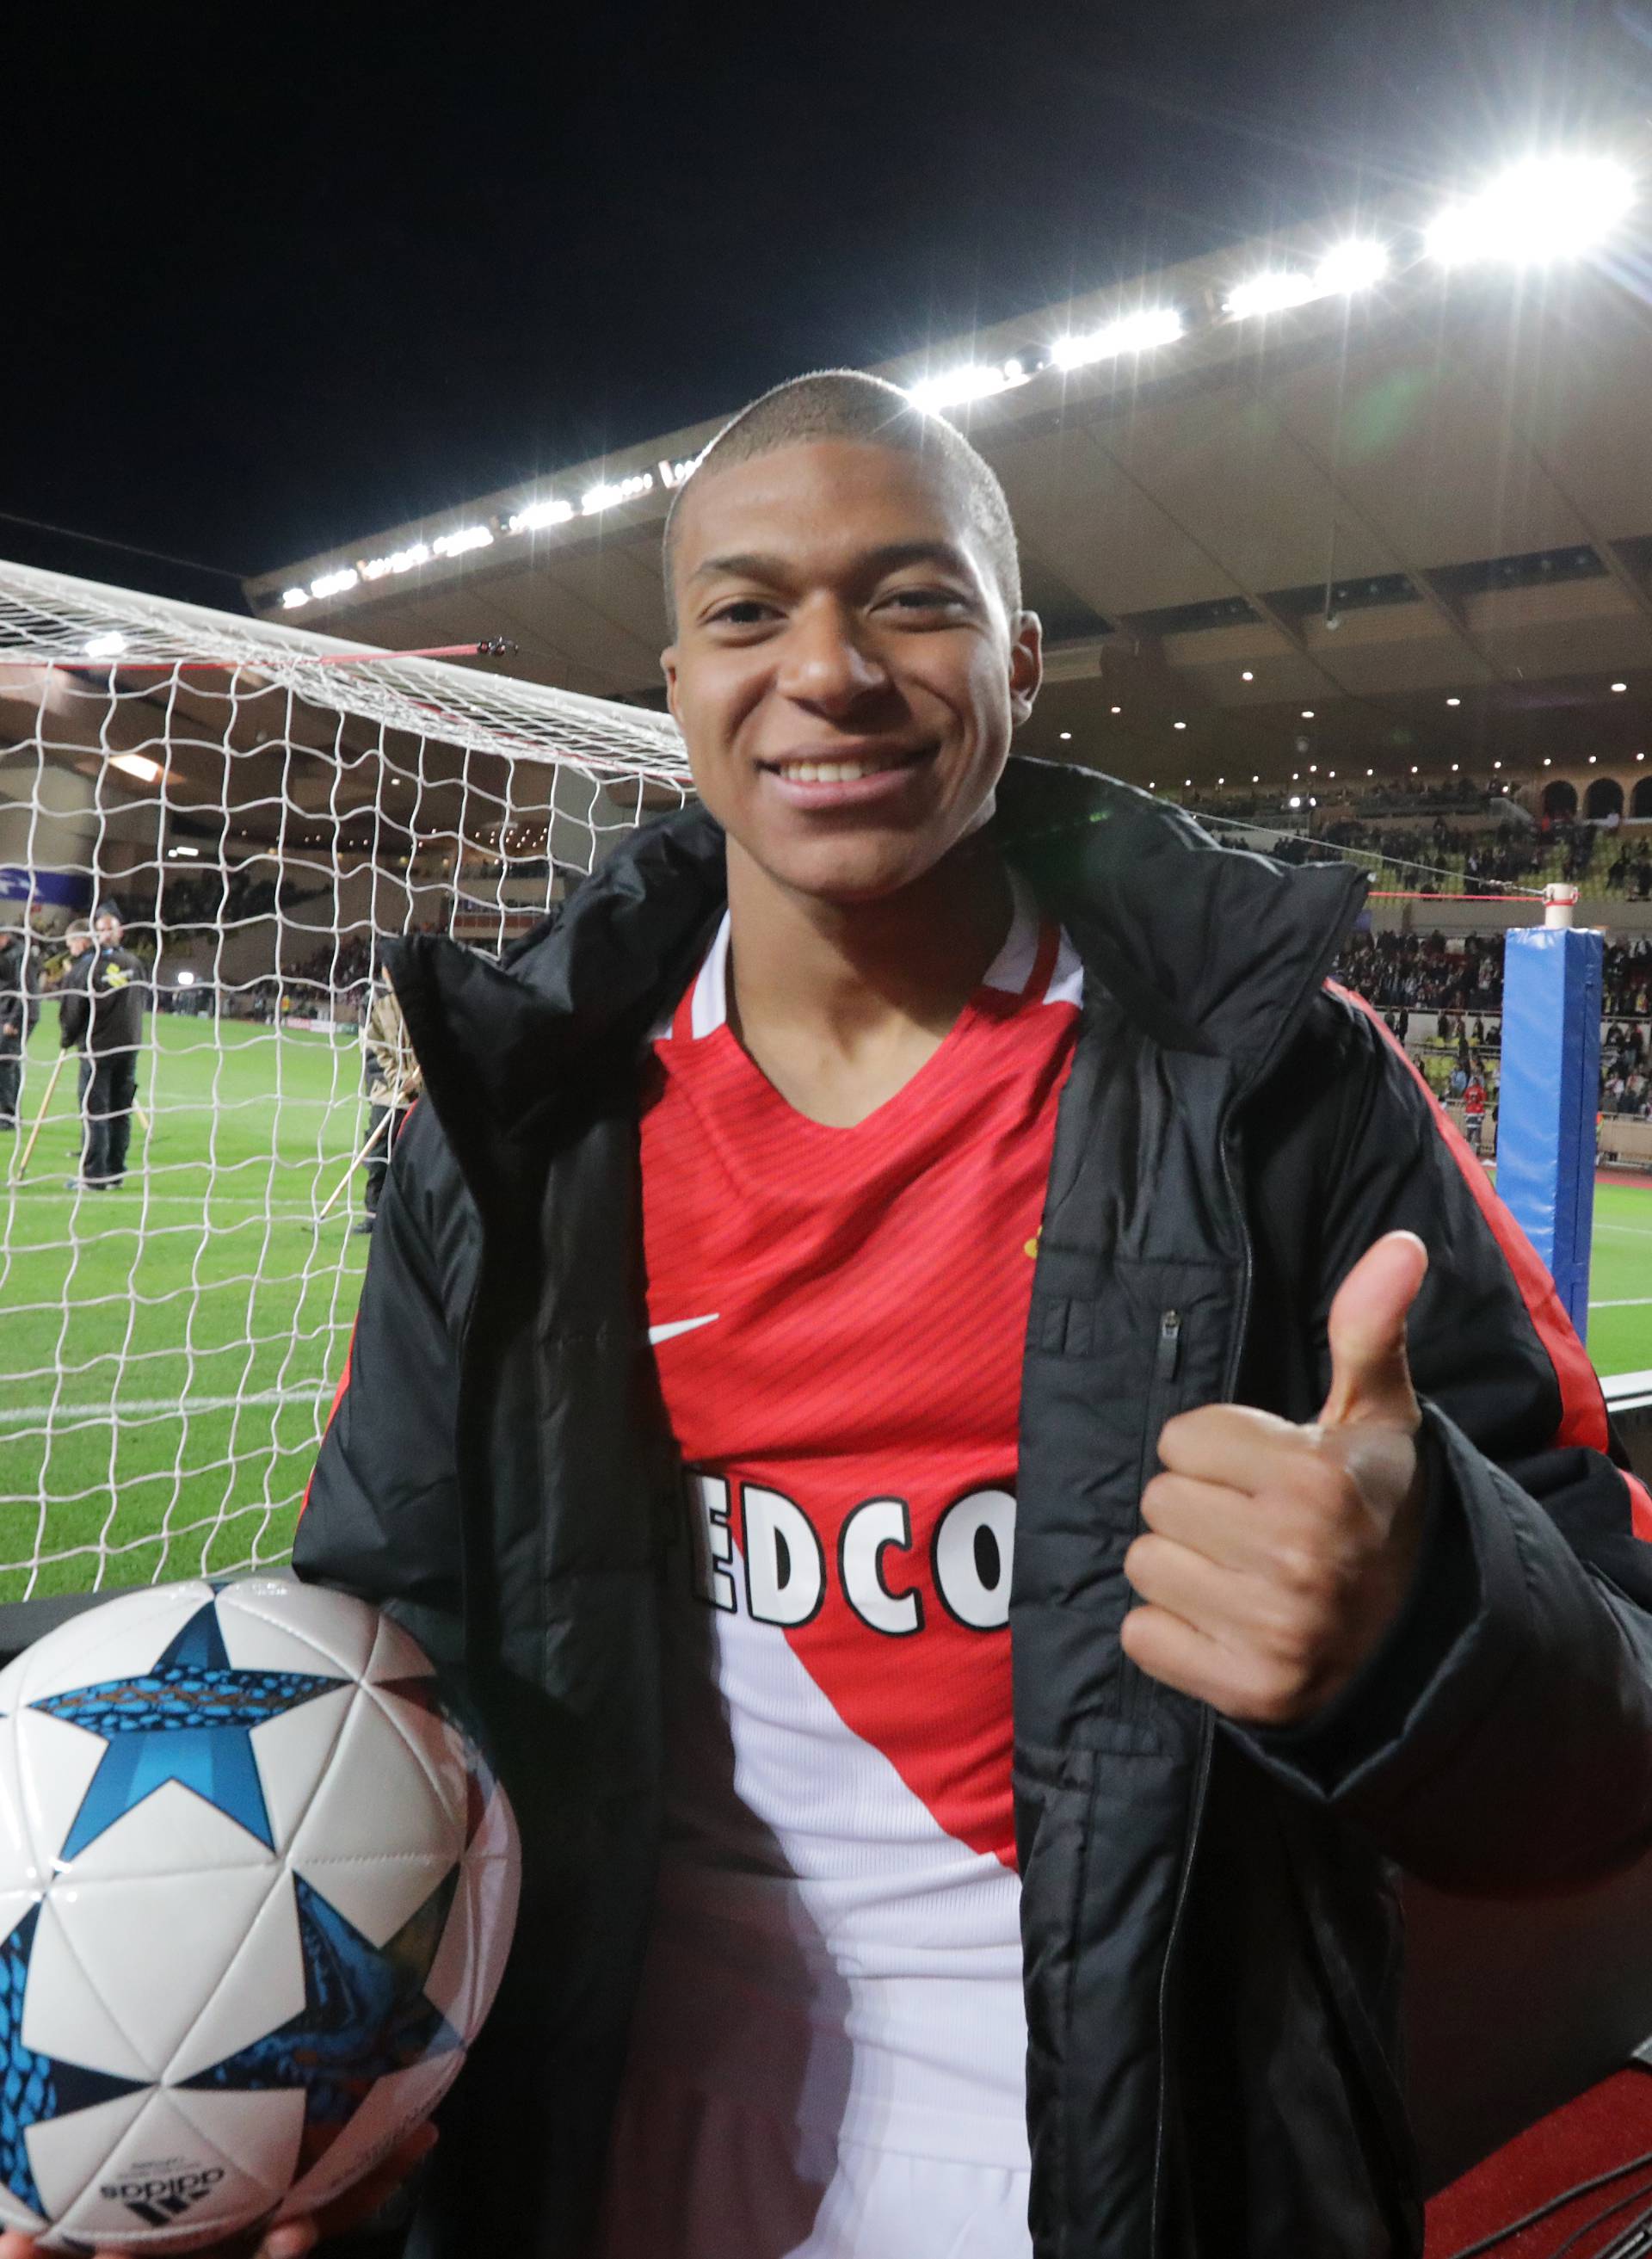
1550 1092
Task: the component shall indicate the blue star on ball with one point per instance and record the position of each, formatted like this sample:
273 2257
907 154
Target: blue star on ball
366 2014
189 1717
35 2087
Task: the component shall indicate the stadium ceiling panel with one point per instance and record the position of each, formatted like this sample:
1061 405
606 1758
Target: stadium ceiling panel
1364 509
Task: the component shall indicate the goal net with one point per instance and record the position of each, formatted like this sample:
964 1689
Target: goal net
260 806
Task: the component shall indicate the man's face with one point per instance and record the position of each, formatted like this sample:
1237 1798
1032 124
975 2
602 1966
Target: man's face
109 932
845 674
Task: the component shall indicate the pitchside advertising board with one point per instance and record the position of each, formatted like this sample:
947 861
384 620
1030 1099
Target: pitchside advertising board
58 890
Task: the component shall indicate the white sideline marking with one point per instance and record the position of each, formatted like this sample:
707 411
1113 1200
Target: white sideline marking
1625 1302
17 1415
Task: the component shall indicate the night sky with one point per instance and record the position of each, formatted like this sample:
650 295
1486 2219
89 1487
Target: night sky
277 277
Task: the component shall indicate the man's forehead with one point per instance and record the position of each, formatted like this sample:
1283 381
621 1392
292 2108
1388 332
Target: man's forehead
840 497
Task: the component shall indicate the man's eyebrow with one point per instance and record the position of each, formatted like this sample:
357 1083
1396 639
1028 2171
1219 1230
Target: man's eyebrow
889 558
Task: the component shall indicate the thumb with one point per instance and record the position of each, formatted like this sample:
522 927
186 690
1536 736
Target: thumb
1370 1379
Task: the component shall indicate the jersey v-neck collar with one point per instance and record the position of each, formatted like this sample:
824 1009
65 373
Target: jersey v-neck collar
1035 964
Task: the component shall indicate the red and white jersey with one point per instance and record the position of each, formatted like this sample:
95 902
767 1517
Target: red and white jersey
838 1317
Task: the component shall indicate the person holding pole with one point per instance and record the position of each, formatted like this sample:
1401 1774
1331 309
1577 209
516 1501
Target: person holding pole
104 1013
19 1009
390 1077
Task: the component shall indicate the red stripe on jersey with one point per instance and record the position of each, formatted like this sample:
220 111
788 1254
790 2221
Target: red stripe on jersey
332 1412
1583 1419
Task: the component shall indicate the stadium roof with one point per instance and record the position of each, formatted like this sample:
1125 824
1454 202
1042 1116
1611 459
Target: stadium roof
1372 494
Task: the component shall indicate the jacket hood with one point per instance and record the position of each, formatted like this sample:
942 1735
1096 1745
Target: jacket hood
1213 949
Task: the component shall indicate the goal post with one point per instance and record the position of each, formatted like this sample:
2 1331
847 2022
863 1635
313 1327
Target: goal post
261 807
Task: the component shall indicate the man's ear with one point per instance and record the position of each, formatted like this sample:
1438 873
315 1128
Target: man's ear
1026 666
668 668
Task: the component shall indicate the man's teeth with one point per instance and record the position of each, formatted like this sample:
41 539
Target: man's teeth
830 772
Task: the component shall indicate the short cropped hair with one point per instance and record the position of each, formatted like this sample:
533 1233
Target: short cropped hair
845 403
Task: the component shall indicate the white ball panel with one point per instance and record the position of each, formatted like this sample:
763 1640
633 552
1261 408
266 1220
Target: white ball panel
119 1640
307 1627
173 1831
191 1927
396 1655
262 1989
452 1982
66 2013
375 1896
13 2214
492 1886
54 1762
432 1745
376 1802
258 2133
400 2101
292 1753
66 2152
21 1859
161 2158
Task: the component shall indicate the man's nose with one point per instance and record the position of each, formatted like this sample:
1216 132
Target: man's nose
827 665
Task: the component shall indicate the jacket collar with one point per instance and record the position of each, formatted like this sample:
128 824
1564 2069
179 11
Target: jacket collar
1209 949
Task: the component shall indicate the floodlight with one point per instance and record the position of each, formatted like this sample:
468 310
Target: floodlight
1131 333
1454 702
1270 294
136 765
291 598
976 380
1066 737
186 980
1295 801
536 514
1543 208
1616 686
1351 266
1247 676
105 646
1178 725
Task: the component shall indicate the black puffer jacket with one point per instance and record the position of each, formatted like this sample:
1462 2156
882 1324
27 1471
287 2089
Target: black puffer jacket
1211 1948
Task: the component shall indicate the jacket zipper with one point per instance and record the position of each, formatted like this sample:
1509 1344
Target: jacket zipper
1169 1350
1168 1355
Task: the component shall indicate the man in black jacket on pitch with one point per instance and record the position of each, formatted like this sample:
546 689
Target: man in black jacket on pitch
19 1010
1323 1562
101 1013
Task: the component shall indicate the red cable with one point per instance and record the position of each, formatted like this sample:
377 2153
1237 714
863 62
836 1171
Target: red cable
117 661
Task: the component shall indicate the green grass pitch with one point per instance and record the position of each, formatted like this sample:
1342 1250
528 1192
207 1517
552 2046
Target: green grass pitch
202 1305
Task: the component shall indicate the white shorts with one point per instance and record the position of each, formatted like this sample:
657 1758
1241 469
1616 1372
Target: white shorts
702 2175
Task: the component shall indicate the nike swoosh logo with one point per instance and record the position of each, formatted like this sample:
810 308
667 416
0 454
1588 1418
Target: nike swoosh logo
679 1326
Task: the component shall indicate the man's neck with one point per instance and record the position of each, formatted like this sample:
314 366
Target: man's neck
841 1004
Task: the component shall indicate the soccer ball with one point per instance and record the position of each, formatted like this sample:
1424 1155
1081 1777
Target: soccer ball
256 1890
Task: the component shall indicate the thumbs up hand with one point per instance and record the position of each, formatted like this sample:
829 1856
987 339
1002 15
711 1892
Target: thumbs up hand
1275 1557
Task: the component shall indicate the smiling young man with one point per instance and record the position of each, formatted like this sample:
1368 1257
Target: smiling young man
884 1367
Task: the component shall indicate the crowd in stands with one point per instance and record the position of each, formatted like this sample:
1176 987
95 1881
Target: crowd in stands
1462 983
1440 848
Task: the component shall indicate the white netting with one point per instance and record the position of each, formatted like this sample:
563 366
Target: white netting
260 806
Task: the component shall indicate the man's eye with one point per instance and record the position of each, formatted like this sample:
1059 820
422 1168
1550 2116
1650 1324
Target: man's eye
926 600
743 612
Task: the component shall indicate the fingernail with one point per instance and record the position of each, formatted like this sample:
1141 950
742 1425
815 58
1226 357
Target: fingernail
288 2242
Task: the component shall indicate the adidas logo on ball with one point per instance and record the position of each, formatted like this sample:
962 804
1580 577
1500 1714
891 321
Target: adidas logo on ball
158 2202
